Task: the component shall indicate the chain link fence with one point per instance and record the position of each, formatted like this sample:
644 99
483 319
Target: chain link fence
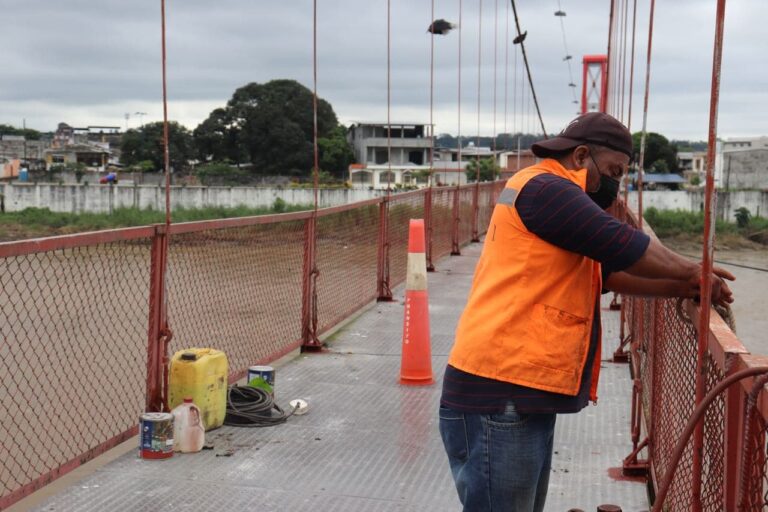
731 473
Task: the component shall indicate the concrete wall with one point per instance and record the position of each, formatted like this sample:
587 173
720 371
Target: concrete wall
105 198
745 169
754 200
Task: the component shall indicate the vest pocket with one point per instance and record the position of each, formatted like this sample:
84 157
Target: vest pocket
558 339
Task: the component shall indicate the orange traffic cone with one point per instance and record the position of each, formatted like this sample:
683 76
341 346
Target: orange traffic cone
416 363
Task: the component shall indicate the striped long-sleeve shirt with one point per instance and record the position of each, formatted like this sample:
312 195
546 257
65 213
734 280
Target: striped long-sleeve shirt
559 212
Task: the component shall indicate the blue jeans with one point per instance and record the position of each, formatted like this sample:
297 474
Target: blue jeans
499 462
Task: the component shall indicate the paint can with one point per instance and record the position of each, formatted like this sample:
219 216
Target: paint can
156 435
263 375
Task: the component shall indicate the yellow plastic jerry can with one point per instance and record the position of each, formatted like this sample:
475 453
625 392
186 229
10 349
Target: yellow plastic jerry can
200 374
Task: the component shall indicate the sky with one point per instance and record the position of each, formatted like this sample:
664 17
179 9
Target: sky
91 63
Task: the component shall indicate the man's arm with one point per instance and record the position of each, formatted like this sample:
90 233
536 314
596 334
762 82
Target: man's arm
664 273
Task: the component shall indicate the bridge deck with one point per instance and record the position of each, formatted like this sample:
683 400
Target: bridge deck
367 443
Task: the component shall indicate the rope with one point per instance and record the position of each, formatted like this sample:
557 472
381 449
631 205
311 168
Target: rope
253 407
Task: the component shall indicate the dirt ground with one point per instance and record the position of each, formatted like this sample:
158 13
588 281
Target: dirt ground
750 289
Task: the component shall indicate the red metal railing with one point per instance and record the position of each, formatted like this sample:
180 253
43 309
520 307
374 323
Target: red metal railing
84 316
663 355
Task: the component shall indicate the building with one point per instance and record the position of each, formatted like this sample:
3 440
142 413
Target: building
408 144
743 163
693 166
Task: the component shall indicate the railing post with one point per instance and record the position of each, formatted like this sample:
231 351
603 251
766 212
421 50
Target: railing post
383 292
428 225
157 321
309 340
455 249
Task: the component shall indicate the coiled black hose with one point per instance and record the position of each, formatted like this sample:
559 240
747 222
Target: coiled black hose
253 407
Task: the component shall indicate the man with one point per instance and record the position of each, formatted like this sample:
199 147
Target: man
528 342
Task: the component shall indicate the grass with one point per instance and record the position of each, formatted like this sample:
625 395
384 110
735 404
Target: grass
37 222
677 223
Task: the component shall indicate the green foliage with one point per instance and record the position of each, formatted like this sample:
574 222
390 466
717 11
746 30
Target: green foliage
489 170
657 147
143 166
216 138
660 166
335 152
279 205
695 181
668 223
146 144
220 173
28 133
743 216
272 125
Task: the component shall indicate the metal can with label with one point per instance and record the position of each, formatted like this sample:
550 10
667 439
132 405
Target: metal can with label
266 374
156 435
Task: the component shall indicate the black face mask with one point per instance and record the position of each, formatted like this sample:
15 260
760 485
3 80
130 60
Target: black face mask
606 194
608 191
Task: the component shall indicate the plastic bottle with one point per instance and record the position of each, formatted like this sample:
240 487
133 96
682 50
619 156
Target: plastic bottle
188 430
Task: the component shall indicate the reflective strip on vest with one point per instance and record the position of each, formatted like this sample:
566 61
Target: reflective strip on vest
507 197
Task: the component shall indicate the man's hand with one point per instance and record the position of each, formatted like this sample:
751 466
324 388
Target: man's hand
624 282
721 293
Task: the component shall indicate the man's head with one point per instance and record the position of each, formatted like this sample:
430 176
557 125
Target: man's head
594 141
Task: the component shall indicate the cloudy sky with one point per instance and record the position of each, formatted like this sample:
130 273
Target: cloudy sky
89 63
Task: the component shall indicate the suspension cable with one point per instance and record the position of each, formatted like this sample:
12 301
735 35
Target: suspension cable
645 118
632 67
608 74
709 244
431 99
506 77
458 136
479 74
495 53
528 69
389 99
624 59
166 151
316 153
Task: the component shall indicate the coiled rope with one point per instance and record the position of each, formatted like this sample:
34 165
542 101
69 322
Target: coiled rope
253 407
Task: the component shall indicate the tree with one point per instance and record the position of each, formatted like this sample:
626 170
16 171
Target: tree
489 170
335 152
657 147
216 139
146 143
275 125
28 133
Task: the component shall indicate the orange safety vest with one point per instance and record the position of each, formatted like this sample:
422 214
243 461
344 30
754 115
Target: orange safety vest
530 311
